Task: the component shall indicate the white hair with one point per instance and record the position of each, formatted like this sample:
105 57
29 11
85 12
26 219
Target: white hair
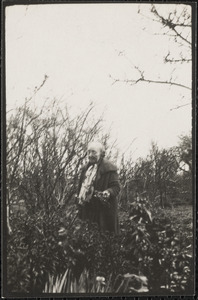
98 145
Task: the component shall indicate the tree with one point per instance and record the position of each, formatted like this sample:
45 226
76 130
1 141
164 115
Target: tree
162 177
183 154
125 175
164 172
174 25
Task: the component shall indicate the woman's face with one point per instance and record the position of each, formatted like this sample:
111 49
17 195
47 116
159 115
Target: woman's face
93 154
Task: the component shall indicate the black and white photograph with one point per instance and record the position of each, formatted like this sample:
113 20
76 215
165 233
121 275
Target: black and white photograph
99 191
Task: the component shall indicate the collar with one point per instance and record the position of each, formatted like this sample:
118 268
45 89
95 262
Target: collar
104 166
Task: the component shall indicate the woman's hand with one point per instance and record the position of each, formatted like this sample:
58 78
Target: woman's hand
106 194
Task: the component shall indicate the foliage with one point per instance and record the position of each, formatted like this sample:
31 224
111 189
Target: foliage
33 250
163 253
147 246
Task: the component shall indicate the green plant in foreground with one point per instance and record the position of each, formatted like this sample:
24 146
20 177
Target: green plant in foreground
67 283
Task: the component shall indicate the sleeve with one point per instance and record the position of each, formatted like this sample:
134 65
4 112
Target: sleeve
114 184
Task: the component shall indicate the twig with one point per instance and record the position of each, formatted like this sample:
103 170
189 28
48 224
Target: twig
142 79
179 106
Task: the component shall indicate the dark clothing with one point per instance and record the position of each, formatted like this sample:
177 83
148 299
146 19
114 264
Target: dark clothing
96 211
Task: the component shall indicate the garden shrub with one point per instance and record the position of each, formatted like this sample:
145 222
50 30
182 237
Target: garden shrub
147 246
33 252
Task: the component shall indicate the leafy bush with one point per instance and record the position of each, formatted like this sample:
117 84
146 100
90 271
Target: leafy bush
148 247
33 250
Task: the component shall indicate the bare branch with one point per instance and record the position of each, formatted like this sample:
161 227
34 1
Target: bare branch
179 106
170 24
142 79
182 60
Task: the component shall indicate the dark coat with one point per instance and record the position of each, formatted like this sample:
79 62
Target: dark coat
95 211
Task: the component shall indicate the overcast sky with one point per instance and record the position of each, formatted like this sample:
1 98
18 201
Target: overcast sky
79 46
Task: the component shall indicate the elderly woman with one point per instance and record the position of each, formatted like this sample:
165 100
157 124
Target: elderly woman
99 175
